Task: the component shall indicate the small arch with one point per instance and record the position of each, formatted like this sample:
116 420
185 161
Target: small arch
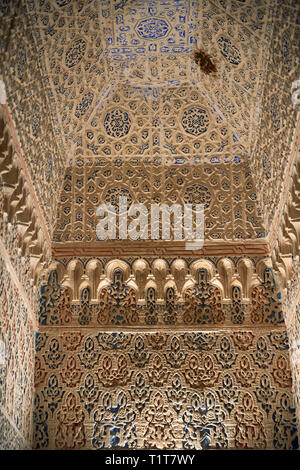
226 271
245 269
140 269
94 271
179 271
75 272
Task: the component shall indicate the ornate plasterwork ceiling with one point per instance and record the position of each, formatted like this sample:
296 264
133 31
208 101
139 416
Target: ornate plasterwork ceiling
124 92
92 49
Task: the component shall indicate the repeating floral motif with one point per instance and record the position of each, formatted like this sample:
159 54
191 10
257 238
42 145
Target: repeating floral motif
161 390
70 374
75 53
195 121
54 356
85 310
281 373
159 433
51 311
52 393
140 393
204 423
114 422
238 310
283 426
279 340
200 372
157 372
263 356
110 376
89 357
39 372
266 394
226 354
153 28
177 393
245 375
243 339
89 393
117 123
151 314
228 393
229 51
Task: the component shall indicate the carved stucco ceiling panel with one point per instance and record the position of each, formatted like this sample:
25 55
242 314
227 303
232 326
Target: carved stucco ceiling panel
103 46
119 81
226 190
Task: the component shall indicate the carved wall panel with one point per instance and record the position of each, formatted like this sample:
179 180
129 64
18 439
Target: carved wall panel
277 126
286 262
197 390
